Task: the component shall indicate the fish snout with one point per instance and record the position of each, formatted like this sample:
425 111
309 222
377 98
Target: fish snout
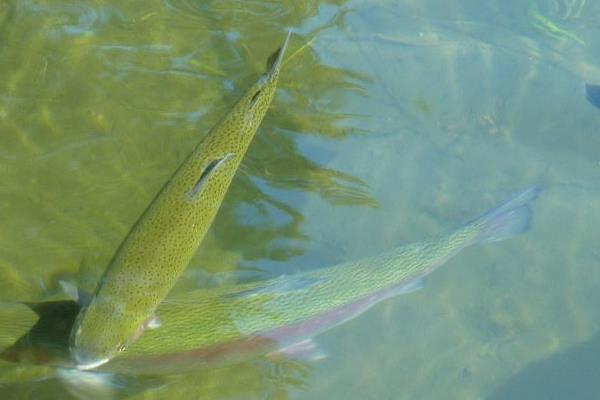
89 363
89 358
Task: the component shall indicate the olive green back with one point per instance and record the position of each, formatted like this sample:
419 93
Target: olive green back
162 242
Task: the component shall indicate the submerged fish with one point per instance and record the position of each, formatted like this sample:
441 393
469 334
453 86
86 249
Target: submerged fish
281 316
164 239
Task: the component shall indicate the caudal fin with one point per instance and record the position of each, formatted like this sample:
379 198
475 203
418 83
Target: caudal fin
509 218
274 62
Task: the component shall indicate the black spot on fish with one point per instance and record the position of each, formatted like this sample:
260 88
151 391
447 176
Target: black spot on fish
206 172
592 94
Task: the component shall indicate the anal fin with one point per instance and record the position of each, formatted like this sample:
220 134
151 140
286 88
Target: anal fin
76 294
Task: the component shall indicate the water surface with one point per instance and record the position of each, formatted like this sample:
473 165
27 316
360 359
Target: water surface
399 121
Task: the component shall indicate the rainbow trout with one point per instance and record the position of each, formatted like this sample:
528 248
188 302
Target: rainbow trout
281 316
161 243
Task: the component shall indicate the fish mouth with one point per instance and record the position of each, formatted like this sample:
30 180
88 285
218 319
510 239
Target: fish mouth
87 361
277 58
91 364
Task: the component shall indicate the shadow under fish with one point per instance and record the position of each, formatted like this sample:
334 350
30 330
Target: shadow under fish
592 94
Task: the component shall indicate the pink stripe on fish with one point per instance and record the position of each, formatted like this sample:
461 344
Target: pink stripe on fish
268 341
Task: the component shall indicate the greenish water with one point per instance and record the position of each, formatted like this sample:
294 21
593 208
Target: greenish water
401 120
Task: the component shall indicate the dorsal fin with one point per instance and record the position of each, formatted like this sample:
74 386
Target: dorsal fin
210 168
274 61
278 286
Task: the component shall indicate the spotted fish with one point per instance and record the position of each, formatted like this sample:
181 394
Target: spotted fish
161 243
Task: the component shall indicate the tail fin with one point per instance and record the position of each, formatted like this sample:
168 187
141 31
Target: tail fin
508 219
274 62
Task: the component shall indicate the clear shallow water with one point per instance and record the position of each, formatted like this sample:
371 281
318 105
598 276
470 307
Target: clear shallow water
400 121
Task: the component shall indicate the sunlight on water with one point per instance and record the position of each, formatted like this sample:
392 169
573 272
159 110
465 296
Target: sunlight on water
393 122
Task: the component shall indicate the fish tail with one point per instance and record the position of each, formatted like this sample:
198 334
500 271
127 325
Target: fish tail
510 218
275 61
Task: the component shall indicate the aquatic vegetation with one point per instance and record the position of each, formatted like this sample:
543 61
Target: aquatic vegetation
105 126
421 104
550 28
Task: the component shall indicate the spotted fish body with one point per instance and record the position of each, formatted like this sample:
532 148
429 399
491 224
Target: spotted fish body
217 324
164 239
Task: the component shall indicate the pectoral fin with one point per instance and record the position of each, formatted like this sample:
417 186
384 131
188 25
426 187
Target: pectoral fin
76 294
210 169
87 279
152 322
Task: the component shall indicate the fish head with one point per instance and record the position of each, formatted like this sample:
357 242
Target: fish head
102 331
